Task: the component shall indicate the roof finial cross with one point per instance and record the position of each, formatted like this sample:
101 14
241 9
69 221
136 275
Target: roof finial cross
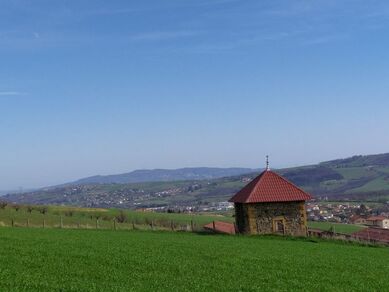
267 162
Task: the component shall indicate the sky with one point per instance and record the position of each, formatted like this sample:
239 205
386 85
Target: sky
104 87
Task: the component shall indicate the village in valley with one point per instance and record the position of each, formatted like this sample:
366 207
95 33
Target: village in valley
182 197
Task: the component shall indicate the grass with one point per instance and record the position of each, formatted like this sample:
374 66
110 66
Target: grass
86 218
383 169
90 260
378 184
351 203
354 172
330 185
338 227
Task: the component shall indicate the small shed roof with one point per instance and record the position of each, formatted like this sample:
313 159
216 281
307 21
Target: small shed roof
270 187
221 227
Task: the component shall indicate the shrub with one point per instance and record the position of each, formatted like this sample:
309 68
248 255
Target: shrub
43 210
121 217
163 222
3 204
107 218
69 213
29 209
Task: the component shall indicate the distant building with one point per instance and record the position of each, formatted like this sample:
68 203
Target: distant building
378 221
358 220
271 204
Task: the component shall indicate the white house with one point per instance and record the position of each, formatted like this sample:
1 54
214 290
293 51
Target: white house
378 221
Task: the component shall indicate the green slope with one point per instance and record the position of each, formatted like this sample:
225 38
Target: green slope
86 218
336 227
75 260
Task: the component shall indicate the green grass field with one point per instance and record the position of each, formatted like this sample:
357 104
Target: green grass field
354 172
378 184
96 260
85 218
73 217
337 227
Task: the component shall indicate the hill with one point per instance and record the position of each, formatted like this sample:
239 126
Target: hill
146 175
355 178
89 260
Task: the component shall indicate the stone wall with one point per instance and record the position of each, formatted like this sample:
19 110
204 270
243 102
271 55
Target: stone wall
259 218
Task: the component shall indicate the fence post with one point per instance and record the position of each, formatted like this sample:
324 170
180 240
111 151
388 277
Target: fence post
12 222
114 224
133 224
78 225
172 225
191 225
61 222
97 223
152 224
28 222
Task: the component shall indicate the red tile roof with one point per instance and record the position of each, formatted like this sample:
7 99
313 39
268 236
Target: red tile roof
376 218
354 218
373 234
270 187
221 227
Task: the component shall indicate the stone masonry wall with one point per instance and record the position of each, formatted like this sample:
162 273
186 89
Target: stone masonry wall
257 218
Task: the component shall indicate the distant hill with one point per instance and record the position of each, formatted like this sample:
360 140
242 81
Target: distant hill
354 178
146 175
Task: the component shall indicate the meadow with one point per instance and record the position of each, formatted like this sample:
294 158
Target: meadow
38 259
88 218
336 227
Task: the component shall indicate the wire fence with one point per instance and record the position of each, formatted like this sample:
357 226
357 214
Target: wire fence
66 223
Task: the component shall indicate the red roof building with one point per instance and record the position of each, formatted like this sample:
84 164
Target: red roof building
379 221
271 204
376 218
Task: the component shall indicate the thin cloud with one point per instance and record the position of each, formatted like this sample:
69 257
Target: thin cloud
162 35
11 93
214 2
113 11
324 39
255 39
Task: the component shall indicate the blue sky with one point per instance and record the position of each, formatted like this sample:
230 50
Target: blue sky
102 87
